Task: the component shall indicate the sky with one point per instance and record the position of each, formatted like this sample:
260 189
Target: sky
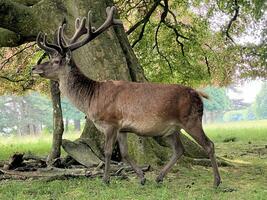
247 91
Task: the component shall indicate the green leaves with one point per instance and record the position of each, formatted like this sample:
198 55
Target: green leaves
187 49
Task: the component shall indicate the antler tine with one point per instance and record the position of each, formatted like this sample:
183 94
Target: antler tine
109 20
91 33
43 44
60 39
77 23
80 30
89 18
65 39
53 46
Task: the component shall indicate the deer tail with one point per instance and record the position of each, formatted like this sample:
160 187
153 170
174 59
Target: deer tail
202 94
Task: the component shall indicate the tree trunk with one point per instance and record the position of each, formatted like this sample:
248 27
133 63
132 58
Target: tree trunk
109 56
58 126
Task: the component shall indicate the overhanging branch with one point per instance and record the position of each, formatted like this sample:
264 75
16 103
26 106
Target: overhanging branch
24 22
3 63
232 20
158 50
173 27
9 38
17 18
162 19
12 80
145 19
27 2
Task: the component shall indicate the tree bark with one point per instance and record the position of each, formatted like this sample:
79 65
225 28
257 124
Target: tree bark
58 126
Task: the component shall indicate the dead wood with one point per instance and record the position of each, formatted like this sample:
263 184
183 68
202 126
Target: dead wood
2 163
30 156
15 161
54 173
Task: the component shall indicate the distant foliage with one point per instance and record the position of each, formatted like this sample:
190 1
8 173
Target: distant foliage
31 114
260 104
219 101
24 115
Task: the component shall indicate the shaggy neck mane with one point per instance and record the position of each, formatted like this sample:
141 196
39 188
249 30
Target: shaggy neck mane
80 87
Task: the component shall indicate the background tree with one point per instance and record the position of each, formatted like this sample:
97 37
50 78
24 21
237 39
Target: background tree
217 103
70 113
260 105
25 114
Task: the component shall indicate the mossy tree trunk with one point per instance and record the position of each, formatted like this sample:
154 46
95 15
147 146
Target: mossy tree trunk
58 126
110 56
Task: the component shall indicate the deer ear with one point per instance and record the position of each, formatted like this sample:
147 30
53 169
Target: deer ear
68 57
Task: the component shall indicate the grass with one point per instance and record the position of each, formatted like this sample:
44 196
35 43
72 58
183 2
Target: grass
244 131
39 145
247 180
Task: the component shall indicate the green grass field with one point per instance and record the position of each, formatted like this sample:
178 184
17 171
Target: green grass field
246 180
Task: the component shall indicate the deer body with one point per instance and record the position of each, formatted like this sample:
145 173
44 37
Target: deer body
147 109
119 107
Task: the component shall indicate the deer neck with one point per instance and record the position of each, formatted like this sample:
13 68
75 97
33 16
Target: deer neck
78 88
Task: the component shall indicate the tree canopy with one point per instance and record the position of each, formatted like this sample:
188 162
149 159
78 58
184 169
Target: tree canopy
190 42
198 42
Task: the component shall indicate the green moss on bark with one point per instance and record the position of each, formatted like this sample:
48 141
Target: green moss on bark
8 38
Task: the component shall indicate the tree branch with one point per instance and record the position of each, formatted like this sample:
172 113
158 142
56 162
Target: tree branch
27 2
141 34
17 18
234 18
24 22
158 50
12 80
4 62
145 19
162 19
9 38
169 25
177 36
207 64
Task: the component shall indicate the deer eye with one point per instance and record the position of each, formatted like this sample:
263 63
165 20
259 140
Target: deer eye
56 62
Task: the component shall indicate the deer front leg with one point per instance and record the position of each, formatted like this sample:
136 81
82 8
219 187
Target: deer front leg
110 138
122 139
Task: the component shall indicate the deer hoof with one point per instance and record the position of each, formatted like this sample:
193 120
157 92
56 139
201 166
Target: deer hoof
217 182
143 181
106 180
159 179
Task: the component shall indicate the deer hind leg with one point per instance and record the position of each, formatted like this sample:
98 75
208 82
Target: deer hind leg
122 139
110 138
178 150
199 135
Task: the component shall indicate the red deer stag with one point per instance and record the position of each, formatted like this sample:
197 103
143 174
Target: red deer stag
119 107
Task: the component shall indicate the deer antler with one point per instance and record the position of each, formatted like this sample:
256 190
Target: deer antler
65 44
51 49
89 31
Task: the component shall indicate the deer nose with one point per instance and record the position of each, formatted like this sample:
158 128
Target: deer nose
33 68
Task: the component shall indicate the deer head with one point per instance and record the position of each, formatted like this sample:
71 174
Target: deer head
59 53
